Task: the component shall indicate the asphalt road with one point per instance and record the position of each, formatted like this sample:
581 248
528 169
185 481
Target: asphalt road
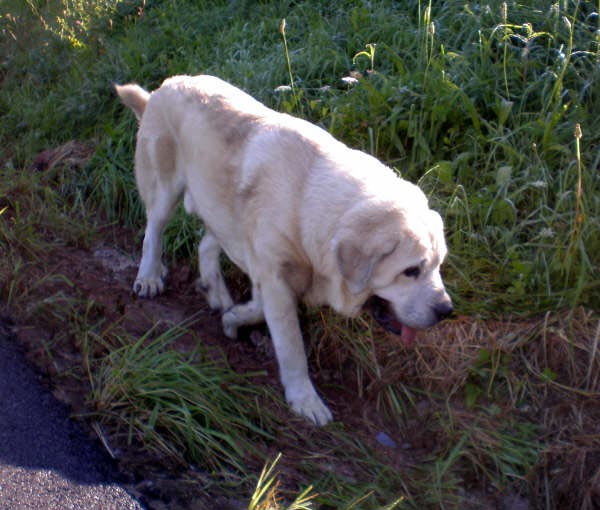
46 461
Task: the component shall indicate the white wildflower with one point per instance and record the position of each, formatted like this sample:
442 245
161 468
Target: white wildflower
539 184
349 80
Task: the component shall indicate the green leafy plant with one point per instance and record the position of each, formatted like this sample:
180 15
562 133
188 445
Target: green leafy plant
370 54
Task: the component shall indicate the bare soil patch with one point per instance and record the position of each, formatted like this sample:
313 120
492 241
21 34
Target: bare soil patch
99 280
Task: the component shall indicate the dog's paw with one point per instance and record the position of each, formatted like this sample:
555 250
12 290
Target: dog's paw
310 406
148 288
230 324
217 295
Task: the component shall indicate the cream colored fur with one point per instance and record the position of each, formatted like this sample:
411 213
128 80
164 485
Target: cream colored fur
304 216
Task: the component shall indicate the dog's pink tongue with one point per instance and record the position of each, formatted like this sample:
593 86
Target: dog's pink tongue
408 335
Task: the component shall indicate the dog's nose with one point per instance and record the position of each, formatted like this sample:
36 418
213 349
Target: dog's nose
443 310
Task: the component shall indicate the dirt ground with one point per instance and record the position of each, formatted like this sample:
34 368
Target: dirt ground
103 275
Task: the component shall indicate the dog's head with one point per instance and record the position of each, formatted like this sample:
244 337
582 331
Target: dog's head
390 252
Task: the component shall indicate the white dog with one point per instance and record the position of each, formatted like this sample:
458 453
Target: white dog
304 216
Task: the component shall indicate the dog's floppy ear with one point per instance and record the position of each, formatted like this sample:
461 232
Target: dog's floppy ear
355 265
365 240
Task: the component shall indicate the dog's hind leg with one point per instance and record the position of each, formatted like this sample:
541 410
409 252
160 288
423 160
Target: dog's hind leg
151 273
211 282
245 314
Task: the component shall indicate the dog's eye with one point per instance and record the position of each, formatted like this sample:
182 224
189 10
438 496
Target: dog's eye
412 272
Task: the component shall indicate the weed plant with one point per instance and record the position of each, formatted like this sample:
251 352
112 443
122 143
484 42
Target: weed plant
491 108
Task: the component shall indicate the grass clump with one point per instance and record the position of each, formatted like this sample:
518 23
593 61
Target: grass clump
484 117
184 406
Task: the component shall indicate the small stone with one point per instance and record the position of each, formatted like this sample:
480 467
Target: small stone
386 440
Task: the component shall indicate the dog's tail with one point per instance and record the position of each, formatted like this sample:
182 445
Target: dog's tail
135 97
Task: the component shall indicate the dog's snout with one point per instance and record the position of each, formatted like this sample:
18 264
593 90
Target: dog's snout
443 310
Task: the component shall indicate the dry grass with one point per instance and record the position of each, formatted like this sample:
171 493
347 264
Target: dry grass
501 401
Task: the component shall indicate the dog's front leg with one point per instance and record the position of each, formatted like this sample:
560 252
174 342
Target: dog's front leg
281 316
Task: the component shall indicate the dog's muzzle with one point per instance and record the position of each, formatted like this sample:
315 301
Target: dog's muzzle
382 312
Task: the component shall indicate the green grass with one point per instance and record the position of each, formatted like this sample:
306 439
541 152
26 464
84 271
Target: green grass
491 108
479 109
